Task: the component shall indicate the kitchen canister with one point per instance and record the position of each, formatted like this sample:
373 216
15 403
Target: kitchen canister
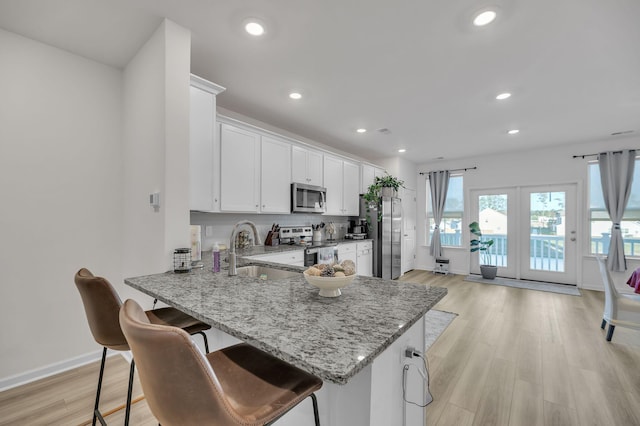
181 260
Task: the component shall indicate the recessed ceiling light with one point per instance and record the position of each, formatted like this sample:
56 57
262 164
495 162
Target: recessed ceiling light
484 18
254 28
402 150
513 132
503 96
295 95
361 130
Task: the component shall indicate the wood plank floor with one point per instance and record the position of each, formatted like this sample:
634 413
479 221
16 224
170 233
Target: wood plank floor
511 357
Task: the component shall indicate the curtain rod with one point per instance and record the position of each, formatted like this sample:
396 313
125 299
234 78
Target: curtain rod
452 170
595 155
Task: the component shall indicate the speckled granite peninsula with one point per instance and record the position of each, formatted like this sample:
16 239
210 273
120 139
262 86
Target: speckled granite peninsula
333 338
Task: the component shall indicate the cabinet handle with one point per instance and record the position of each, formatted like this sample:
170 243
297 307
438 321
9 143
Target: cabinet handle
263 206
257 206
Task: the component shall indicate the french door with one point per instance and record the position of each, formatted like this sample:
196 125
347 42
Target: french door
533 228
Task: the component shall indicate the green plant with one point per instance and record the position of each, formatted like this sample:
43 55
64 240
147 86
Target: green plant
373 194
479 244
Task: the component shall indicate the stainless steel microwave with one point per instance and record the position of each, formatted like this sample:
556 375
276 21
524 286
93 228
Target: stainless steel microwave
308 198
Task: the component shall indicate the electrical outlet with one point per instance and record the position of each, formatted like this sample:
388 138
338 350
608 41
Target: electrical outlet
208 231
408 352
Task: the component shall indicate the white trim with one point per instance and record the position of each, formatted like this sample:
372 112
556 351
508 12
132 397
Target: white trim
55 368
206 85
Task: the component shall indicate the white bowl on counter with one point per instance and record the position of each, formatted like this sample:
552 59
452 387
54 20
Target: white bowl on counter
329 286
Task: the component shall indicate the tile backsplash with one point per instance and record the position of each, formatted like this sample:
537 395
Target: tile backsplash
221 224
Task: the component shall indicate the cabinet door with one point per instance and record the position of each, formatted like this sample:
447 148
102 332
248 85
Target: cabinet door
348 251
365 259
333 183
203 195
275 184
378 172
351 191
299 165
366 179
306 166
314 168
240 169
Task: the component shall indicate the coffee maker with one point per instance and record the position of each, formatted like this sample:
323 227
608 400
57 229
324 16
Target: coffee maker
357 229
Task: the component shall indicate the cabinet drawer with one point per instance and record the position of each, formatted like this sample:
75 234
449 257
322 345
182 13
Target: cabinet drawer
294 258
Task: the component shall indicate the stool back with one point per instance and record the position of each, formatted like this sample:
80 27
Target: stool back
102 307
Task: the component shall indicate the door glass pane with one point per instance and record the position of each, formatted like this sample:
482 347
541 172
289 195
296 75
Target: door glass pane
493 224
547 231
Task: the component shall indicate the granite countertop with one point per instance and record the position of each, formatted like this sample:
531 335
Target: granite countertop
332 338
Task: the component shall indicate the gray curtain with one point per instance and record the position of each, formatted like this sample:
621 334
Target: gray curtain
616 176
439 184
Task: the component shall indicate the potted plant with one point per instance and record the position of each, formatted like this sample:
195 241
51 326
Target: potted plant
382 186
481 245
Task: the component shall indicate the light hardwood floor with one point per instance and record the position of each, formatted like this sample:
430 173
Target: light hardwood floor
511 357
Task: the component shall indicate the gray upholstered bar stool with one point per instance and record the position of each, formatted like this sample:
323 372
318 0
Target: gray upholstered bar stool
102 307
238 385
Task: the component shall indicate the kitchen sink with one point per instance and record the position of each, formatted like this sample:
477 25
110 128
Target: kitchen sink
265 272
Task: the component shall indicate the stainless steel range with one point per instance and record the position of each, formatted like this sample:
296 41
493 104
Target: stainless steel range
323 252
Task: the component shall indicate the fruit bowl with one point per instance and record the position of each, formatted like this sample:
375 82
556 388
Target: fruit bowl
329 286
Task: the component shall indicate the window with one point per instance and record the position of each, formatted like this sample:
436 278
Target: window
451 225
599 222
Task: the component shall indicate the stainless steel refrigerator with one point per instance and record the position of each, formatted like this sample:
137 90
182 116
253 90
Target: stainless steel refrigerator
386 234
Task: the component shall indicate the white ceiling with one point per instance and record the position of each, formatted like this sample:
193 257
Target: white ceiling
418 68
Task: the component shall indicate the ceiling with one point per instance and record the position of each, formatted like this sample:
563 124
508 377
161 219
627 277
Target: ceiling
417 68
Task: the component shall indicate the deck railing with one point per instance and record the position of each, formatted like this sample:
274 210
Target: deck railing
544 249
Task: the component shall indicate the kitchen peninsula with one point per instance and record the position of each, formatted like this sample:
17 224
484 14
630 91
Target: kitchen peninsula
354 343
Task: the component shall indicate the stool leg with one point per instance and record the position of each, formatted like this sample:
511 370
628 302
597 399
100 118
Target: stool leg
604 322
96 413
316 416
206 342
129 392
610 332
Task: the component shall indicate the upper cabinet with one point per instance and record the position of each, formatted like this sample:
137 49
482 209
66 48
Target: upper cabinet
342 180
306 166
368 173
255 171
204 151
239 169
275 184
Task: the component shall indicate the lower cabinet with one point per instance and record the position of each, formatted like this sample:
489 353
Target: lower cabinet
347 251
364 252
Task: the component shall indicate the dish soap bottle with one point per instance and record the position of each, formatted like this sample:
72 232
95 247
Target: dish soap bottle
216 258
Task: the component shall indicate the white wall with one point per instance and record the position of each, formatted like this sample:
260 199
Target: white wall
61 197
156 138
535 167
402 169
82 146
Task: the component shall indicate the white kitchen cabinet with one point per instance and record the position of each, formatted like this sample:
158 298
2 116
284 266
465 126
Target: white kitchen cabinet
348 251
368 173
204 148
306 166
239 169
351 189
293 258
342 180
275 182
364 254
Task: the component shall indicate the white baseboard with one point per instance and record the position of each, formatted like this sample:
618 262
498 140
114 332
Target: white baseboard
56 368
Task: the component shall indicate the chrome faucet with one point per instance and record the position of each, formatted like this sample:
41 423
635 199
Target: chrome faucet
232 244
